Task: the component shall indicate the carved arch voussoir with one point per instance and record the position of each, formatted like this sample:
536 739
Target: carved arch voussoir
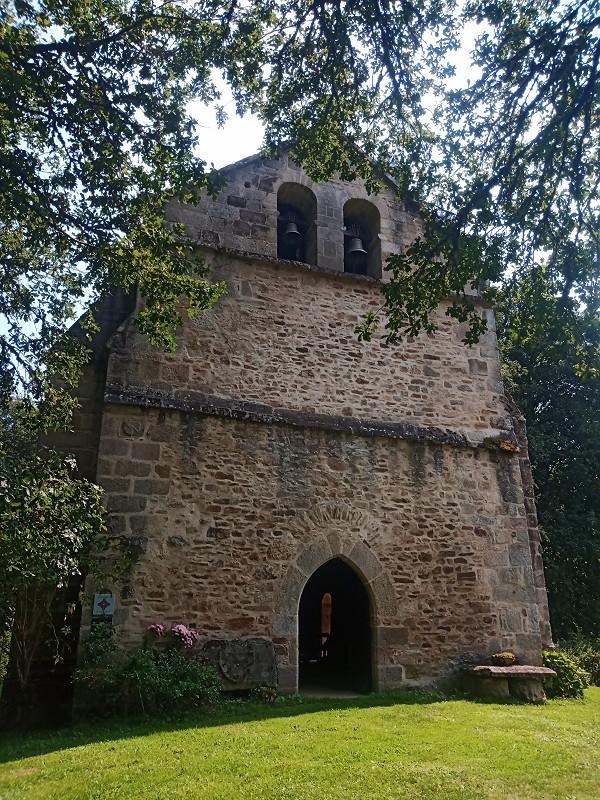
332 530
334 516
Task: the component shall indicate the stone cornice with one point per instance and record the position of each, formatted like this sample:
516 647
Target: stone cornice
215 406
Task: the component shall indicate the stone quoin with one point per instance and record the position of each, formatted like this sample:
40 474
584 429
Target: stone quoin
323 511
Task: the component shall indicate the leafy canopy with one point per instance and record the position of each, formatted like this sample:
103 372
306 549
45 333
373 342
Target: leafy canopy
513 173
48 516
551 350
95 137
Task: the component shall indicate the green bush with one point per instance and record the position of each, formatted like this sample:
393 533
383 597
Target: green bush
146 680
586 654
570 680
99 647
160 681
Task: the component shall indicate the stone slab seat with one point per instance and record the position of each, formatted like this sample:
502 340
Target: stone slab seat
523 682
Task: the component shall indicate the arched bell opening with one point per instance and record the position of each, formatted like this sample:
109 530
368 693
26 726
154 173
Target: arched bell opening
334 631
362 246
296 223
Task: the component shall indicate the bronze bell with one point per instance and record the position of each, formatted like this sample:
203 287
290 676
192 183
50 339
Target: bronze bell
291 233
355 247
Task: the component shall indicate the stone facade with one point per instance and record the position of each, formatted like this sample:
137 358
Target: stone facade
272 441
243 217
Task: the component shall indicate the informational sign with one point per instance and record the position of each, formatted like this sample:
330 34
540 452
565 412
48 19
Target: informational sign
104 605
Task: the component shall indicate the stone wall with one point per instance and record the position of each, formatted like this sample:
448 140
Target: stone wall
82 440
272 441
535 542
231 517
284 336
243 216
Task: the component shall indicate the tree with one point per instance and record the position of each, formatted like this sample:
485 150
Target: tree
48 519
514 169
551 349
95 137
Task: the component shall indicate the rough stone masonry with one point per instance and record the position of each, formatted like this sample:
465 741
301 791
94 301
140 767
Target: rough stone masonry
273 441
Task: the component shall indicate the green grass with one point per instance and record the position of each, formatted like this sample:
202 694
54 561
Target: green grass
388 747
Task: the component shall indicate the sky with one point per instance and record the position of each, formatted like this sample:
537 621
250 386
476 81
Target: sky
243 136
239 138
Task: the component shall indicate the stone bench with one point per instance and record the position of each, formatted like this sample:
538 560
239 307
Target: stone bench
521 682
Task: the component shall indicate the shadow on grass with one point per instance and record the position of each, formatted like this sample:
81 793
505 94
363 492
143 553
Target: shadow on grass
14 746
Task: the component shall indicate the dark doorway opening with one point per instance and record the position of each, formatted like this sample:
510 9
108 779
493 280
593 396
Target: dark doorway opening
334 627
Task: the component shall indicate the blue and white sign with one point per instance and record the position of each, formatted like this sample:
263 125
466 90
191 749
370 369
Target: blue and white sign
104 605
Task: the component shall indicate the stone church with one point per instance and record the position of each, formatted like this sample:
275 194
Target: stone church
324 512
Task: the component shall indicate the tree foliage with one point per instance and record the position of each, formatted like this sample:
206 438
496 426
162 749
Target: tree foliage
551 349
514 165
48 516
95 136
48 519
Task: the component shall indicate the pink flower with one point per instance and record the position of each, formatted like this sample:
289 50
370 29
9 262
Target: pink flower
186 636
156 628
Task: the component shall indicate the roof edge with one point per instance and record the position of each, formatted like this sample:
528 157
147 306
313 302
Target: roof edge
287 147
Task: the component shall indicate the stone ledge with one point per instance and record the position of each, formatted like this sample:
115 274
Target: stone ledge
509 672
524 682
213 405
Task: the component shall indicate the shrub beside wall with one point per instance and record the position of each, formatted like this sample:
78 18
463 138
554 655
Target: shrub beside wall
570 680
163 675
586 654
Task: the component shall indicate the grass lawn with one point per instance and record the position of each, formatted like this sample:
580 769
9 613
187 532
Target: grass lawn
397 745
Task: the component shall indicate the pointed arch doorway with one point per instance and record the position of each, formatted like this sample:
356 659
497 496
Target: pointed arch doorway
334 630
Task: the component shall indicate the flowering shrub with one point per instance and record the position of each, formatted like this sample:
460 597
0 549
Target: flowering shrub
178 636
154 681
160 676
157 629
185 636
